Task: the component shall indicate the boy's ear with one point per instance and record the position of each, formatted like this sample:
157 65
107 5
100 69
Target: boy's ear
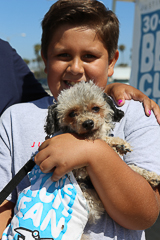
45 61
112 63
52 125
118 114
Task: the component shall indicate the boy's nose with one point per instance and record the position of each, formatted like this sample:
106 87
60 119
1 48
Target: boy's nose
76 67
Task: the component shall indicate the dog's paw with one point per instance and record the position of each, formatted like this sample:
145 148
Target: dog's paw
119 145
123 148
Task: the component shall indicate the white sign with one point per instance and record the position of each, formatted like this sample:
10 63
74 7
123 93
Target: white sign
146 49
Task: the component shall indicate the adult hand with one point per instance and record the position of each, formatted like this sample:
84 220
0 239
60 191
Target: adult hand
121 92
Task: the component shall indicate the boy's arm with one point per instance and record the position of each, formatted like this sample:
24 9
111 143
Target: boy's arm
121 92
6 212
127 197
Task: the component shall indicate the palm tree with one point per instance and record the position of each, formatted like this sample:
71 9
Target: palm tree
37 51
27 61
39 73
121 49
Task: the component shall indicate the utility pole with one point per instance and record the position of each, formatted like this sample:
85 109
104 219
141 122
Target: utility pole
114 5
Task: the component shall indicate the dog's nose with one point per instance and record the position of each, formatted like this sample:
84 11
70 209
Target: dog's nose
88 124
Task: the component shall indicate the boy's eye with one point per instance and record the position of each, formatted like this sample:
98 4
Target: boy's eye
63 55
89 57
96 109
72 114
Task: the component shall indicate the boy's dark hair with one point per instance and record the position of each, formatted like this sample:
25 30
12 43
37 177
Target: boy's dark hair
88 13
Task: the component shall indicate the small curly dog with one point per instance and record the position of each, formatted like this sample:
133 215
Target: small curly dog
86 110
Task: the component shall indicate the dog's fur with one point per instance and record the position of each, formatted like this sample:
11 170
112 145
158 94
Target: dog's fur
86 110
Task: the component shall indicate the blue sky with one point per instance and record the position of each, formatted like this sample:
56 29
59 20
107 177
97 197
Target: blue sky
20 24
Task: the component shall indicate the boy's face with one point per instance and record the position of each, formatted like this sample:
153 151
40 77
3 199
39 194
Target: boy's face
76 54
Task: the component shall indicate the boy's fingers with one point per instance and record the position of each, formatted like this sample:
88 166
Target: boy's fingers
56 176
47 165
58 173
44 145
41 156
44 161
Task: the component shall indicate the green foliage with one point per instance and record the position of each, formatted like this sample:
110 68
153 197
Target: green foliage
37 62
27 61
38 59
121 49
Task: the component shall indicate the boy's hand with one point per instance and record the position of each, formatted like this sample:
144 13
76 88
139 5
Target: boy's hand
61 154
121 92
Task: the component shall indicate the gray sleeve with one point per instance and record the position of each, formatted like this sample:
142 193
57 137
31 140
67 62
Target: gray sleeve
143 133
6 161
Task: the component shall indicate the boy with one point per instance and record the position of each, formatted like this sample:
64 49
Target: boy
79 42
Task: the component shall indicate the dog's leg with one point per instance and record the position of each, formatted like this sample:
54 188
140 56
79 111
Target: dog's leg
152 178
96 208
85 237
119 145
80 173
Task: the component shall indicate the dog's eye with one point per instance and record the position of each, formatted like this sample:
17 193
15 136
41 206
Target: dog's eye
96 109
72 114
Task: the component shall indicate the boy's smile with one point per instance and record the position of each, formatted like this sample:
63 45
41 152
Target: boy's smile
76 54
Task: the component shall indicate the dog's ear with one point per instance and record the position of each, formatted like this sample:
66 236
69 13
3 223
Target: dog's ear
118 114
51 125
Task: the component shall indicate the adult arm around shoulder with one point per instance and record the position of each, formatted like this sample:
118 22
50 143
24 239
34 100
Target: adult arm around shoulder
6 213
121 92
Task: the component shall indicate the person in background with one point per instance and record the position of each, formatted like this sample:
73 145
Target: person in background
17 82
